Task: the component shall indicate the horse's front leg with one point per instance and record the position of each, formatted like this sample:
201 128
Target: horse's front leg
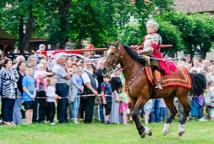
135 115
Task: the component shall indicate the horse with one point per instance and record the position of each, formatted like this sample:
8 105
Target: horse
140 90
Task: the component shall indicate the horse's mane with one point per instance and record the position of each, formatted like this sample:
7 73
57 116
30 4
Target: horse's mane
134 55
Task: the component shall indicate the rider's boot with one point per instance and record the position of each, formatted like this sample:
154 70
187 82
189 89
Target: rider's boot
157 76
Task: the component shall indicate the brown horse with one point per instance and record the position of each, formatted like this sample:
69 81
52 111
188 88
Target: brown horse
140 90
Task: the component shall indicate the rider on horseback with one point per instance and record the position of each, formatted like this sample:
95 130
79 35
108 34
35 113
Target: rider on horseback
150 47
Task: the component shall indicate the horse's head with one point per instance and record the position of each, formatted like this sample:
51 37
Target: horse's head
113 58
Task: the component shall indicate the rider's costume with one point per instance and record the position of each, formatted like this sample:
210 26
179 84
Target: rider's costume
151 47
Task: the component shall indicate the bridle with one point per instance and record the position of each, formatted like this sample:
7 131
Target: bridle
118 54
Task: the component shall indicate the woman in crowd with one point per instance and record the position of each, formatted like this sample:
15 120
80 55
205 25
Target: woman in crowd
116 83
17 115
9 78
76 88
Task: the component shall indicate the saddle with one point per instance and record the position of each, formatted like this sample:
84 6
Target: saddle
180 77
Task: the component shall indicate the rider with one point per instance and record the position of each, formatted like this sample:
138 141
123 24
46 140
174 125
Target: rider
150 47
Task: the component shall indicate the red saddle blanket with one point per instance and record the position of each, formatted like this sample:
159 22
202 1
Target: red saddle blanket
180 77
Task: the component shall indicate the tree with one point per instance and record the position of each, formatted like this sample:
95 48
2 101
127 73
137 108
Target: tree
59 26
170 35
203 31
20 18
197 31
130 34
148 9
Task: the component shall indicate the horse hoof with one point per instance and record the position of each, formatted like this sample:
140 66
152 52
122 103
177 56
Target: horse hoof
166 129
143 135
181 133
165 132
181 130
149 133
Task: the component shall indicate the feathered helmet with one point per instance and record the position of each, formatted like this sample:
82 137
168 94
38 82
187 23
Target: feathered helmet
153 24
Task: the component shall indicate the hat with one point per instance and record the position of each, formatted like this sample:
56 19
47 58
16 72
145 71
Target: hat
153 24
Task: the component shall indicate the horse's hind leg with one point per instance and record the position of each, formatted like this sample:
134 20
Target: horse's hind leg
135 115
170 104
183 98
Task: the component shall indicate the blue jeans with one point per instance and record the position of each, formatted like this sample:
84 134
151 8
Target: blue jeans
101 115
157 110
164 113
194 108
74 107
17 115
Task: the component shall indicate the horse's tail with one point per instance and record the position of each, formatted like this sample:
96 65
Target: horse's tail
198 84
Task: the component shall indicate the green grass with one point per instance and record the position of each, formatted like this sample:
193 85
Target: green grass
96 133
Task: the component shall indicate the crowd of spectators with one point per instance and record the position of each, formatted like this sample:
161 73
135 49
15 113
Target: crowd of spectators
34 90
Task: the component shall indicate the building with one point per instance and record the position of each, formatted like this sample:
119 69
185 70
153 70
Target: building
7 42
195 6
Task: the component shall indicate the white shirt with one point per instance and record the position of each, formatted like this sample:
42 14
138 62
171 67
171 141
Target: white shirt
50 93
86 79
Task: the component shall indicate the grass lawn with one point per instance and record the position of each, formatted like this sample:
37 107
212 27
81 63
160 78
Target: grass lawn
96 133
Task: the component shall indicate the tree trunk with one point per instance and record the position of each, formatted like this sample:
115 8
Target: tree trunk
29 28
21 34
63 22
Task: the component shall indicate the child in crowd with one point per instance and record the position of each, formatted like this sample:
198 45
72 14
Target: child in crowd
51 96
41 76
29 93
106 92
124 103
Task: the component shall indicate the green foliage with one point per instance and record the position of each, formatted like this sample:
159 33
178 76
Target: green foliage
87 20
130 34
106 21
170 35
197 30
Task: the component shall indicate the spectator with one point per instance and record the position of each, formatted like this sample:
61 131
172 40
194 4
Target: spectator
32 62
163 111
210 93
74 94
29 93
116 83
41 85
90 87
51 96
147 109
17 115
61 88
9 78
124 104
106 97
99 75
